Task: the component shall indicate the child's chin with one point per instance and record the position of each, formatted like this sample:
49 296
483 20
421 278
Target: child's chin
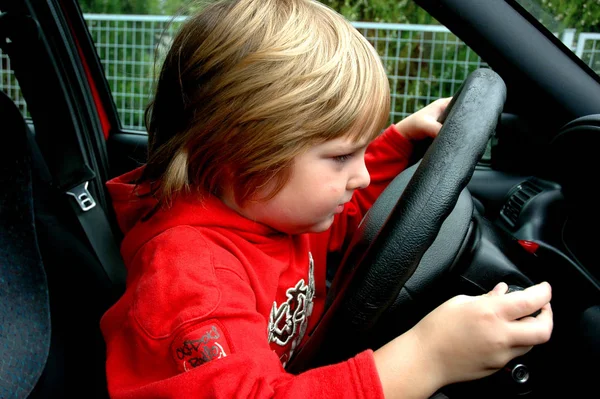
317 227
322 226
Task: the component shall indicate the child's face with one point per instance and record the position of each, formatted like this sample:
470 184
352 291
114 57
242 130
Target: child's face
322 180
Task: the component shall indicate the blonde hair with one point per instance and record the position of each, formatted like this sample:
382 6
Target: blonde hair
249 84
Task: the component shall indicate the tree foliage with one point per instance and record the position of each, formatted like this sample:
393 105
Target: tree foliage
558 15
422 64
140 7
398 11
583 15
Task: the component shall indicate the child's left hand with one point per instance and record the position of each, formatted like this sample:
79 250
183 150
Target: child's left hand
423 123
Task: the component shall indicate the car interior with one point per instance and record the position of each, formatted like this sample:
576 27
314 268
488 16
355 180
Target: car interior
526 214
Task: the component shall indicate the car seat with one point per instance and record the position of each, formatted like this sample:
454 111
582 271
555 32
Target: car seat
30 355
65 255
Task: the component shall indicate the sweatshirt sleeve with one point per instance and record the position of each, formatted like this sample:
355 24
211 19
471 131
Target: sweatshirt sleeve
188 327
385 158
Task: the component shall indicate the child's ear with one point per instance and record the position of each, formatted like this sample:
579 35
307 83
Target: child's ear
225 185
228 173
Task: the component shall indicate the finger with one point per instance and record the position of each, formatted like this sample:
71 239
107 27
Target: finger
533 330
499 289
440 105
445 101
523 303
431 126
545 313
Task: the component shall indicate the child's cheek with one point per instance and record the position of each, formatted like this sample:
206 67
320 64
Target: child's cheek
334 190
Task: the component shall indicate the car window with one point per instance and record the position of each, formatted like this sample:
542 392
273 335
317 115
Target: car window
423 59
9 84
575 22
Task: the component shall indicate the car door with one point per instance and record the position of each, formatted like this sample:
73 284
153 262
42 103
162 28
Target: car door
51 81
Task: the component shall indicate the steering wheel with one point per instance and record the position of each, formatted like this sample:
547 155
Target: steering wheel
403 224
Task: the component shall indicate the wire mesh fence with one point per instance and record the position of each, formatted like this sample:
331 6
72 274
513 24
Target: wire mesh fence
588 49
423 62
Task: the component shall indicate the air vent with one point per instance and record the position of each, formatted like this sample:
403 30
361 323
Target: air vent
523 193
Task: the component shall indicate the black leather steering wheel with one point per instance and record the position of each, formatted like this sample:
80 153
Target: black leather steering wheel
403 223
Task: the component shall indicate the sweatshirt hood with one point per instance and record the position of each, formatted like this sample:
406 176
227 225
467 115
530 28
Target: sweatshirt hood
140 217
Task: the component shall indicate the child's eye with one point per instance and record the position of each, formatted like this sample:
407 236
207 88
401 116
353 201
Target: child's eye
342 158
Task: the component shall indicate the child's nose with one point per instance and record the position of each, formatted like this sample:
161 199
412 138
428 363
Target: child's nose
360 178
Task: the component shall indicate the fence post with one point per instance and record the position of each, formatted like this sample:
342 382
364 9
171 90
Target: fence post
568 38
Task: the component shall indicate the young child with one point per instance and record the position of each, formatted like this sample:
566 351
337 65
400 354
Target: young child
265 152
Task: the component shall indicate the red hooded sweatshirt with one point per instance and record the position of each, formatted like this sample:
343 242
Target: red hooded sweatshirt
216 304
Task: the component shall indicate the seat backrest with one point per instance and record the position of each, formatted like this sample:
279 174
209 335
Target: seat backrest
25 333
78 289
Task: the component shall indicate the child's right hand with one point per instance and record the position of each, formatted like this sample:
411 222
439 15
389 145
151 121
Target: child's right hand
471 337
467 337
